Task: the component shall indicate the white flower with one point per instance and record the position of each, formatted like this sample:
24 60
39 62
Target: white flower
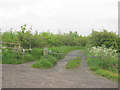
102 51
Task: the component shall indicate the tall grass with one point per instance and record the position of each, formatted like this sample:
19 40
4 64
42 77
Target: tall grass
103 58
10 56
110 64
45 62
104 61
15 57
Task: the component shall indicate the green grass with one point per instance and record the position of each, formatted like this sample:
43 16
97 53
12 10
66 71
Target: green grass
109 64
63 50
51 60
45 62
17 60
108 74
14 57
72 64
106 67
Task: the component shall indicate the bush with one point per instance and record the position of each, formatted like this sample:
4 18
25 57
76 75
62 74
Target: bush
45 62
28 57
109 39
10 56
104 62
36 53
104 59
15 57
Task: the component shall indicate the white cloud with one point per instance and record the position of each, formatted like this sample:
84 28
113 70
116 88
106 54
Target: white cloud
79 15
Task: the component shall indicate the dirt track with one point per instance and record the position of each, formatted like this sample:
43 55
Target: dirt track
24 76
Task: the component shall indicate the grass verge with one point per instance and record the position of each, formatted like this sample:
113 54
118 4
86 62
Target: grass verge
106 67
10 56
63 50
45 62
15 57
51 60
108 74
72 64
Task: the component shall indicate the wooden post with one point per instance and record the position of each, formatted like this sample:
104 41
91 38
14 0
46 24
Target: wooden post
45 52
23 52
30 46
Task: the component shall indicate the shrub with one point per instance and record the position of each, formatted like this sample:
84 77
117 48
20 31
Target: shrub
10 56
104 61
45 62
36 53
109 39
104 58
104 52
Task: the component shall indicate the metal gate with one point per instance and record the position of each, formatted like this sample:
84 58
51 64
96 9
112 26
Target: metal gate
69 56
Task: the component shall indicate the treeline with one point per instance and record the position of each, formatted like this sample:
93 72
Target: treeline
48 39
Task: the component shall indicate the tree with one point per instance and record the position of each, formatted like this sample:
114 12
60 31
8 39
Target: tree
109 39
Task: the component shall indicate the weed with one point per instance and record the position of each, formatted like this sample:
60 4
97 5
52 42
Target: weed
15 57
45 62
108 74
104 62
72 64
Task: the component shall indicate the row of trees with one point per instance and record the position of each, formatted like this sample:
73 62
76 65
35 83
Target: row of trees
39 40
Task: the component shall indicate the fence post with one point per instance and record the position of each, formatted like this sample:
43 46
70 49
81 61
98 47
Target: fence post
23 52
45 52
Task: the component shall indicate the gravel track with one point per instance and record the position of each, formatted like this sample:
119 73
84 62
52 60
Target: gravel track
24 76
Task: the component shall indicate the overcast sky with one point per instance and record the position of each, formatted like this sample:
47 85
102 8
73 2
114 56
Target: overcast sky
60 15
